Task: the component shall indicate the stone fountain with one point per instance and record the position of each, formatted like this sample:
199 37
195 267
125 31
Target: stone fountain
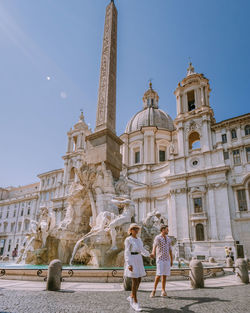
99 206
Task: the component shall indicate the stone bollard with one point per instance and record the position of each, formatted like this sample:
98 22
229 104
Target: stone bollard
196 274
211 260
127 283
242 270
229 262
54 275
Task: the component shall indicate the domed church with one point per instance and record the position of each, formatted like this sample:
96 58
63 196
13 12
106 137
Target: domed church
194 170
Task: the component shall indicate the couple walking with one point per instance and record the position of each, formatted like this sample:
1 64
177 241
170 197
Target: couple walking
134 267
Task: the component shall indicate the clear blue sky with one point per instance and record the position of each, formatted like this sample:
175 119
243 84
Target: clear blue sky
63 39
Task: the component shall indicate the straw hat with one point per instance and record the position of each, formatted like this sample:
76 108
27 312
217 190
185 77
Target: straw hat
133 225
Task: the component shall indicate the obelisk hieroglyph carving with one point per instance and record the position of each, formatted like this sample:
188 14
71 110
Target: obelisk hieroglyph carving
106 110
103 146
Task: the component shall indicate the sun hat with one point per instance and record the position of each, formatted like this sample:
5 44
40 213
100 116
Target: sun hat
133 225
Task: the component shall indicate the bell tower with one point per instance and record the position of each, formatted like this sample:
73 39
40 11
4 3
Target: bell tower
194 114
192 92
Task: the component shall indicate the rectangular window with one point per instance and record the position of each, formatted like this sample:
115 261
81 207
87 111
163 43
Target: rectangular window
12 227
224 138
198 205
242 201
233 134
28 212
19 226
236 156
9 246
7 214
162 155
226 155
14 213
137 157
248 153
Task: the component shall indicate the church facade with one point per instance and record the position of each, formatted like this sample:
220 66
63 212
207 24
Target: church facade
193 170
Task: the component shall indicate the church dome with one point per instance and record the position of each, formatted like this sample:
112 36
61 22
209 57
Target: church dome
151 115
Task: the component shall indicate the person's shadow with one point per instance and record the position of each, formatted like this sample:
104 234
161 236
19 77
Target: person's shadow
186 308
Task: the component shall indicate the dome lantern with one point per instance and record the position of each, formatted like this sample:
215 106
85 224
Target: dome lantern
150 98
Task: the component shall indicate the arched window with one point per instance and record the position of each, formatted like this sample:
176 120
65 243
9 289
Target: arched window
247 130
199 232
233 134
74 143
194 141
191 100
72 174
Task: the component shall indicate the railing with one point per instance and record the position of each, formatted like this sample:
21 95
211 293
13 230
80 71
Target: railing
42 273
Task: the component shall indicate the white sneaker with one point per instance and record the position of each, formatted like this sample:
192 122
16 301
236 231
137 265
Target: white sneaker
130 300
136 307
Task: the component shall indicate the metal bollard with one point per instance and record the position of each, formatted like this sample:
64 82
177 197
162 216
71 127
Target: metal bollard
54 275
242 270
196 274
127 283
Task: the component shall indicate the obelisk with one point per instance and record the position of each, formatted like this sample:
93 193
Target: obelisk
103 145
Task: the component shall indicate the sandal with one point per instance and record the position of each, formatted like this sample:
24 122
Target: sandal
164 294
152 295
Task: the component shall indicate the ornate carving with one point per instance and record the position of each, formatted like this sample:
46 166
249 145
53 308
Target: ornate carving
193 126
106 110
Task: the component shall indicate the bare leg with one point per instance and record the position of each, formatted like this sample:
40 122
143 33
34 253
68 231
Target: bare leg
138 283
163 283
157 279
134 289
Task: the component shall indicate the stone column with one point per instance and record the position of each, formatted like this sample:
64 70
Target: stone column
180 140
69 144
146 150
212 210
173 221
226 213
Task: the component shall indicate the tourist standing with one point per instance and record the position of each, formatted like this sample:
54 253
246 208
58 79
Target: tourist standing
227 252
134 267
164 259
14 254
231 254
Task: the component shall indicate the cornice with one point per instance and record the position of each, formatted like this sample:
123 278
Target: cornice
232 121
17 200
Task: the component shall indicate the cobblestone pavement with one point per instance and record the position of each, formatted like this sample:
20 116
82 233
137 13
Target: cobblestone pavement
235 299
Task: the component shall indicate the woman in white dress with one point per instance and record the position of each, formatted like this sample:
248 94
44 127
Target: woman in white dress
134 267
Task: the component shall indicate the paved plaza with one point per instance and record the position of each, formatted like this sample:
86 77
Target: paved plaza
222 294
